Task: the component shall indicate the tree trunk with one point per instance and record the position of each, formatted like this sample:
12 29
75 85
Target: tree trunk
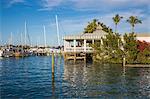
132 29
116 28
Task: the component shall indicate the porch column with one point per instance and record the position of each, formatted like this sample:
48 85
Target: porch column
101 41
65 45
74 45
84 45
92 41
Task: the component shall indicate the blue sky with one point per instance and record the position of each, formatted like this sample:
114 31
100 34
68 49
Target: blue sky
73 16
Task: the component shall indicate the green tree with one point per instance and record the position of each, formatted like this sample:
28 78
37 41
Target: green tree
116 20
133 20
144 57
109 49
91 27
130 47
105 28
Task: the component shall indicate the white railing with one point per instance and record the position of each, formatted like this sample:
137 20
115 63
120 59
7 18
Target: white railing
78 49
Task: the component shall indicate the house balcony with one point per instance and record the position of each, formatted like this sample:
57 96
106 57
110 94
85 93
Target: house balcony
79 49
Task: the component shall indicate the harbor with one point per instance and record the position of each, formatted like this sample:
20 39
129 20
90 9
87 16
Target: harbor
74 49
22 51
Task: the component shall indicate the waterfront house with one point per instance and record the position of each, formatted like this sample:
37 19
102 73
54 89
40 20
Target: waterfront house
79 46
76 45
82 42
143 37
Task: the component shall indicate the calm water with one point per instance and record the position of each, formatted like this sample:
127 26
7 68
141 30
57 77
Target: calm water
31 78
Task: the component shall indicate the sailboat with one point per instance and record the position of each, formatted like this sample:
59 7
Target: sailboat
46 50
55 50
8 50
20 50
58 37
1 53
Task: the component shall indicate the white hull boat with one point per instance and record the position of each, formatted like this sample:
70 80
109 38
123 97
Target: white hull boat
1 52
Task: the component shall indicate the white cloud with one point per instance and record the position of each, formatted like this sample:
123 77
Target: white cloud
49 4
123 26
77 24
12 2
106 5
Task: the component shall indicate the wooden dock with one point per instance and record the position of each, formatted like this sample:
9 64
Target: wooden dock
134 65
137 65
75 56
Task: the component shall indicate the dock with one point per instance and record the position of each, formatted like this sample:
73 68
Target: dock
137 65
75 56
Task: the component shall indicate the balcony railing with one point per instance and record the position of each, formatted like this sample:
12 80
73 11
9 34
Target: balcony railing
79 49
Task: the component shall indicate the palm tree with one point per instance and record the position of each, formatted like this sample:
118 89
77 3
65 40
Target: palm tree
133 20
91 27
116 20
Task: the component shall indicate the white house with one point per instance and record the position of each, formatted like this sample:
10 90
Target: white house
81 42
143 37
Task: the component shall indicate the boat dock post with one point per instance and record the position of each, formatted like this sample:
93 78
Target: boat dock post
75 56
53 76
53 62
124 61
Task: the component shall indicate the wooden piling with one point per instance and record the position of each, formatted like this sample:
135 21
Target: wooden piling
124 61
74 57
53 61
53 84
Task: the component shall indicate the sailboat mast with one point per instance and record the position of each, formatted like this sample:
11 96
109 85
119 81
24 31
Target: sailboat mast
11 38
57 31
44 35
0 39
21 37
25 33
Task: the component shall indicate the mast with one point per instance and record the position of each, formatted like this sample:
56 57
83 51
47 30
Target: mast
37 42
57 31
21 37
44 35
11 38
0 39
21 40
25 33
31 44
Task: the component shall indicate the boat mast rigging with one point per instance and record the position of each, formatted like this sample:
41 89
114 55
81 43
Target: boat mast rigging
57 31
44 35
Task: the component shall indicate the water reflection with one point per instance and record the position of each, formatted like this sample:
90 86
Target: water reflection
106 81
32 77
53 85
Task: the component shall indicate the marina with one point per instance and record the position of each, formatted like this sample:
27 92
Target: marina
74 49
21 51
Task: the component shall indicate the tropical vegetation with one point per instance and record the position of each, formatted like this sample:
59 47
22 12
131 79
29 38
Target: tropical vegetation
114 47
116 20
91 27
133 20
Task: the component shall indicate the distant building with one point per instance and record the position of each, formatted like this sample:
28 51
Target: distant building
143 37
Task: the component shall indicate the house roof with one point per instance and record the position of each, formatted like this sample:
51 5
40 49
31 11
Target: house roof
96 35
143 34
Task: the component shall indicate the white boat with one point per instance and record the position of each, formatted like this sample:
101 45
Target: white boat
1 52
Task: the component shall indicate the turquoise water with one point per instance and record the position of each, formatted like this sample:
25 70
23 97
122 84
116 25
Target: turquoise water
31 78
